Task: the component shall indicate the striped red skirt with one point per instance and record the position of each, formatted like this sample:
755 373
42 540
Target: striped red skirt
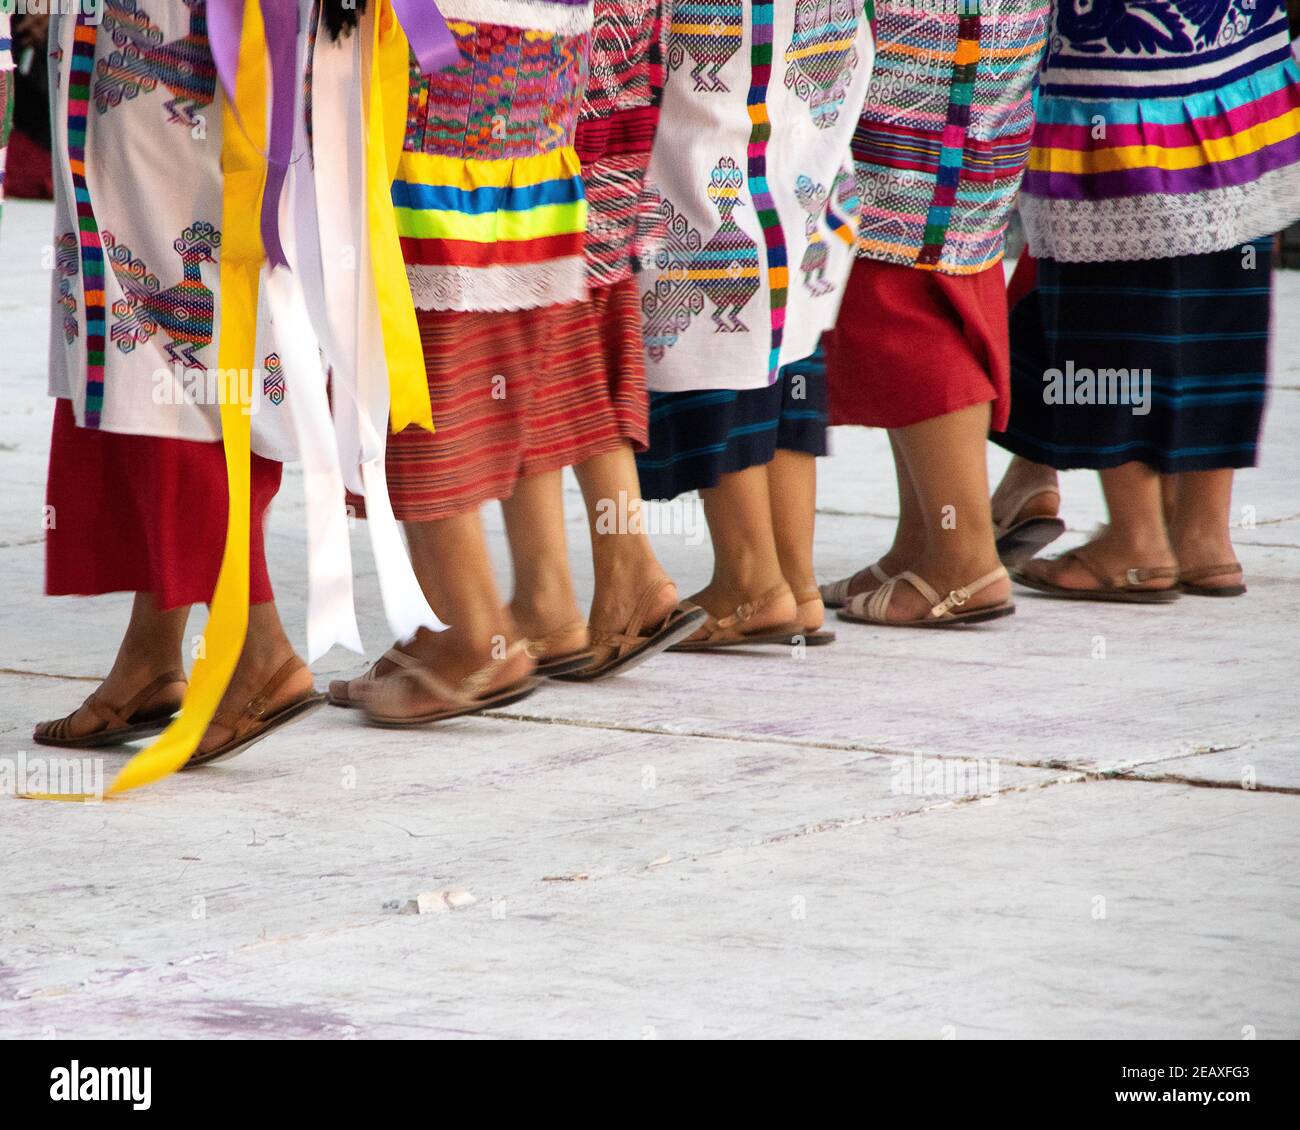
518 393
912 345
143 514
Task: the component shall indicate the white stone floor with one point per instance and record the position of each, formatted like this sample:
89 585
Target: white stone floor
709 846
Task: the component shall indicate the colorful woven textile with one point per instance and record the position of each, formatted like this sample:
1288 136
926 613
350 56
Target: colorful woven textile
943 141
1163 362
697 437
518 393
756 199
490 203
616 130
136 309
1164 129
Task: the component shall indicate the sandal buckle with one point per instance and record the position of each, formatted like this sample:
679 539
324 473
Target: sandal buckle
958 597
1134 576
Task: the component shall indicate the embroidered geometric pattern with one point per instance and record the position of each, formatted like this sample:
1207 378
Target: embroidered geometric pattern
142 61
616 131
1183 118
778 268
710 33
821 57
942 144
489 196
92 255
65 263
273 380
724 270
964 65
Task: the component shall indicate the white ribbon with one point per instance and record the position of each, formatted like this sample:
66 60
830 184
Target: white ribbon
348 309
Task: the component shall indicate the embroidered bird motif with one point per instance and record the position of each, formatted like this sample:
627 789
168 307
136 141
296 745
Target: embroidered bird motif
724 271
183 312
143 60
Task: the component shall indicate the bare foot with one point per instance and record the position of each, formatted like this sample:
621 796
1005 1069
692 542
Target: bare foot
256 668
619 589
538 618
1201 551
469 662
1024 477
721 601
810 609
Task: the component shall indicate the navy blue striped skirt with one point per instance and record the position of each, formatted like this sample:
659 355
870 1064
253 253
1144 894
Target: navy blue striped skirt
1159 361
696 437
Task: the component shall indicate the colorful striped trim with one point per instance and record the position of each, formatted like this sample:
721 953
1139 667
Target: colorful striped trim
92 253
778 269
474 213
948 174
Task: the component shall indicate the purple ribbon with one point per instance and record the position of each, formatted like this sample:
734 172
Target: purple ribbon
281 22
426 30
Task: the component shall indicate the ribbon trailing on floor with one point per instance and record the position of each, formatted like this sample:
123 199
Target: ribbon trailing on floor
244 169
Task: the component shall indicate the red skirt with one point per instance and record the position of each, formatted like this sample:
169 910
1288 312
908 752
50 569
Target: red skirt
912 345
519 393
132 513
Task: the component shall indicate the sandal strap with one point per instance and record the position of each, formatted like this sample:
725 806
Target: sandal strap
838 591
878 601
633 632
747 611
1206 572
246 719
877 605
119 717
146 693
397 659
474 685
1018 504
957 597
1130 577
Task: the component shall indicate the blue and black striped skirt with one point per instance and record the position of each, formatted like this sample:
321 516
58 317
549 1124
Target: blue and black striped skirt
1159 361
696 437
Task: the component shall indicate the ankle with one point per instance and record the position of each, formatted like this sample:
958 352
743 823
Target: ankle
1146 540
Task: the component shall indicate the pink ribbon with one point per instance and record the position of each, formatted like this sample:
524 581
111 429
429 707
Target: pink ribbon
426 30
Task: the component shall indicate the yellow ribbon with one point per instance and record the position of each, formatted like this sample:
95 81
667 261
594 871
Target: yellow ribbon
385 108
241 258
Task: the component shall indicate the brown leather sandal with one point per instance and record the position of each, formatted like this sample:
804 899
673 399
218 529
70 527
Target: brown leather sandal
1189 580
621 651
352 693
730 631
1126 588
556 653
252 724
497 683
117 724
